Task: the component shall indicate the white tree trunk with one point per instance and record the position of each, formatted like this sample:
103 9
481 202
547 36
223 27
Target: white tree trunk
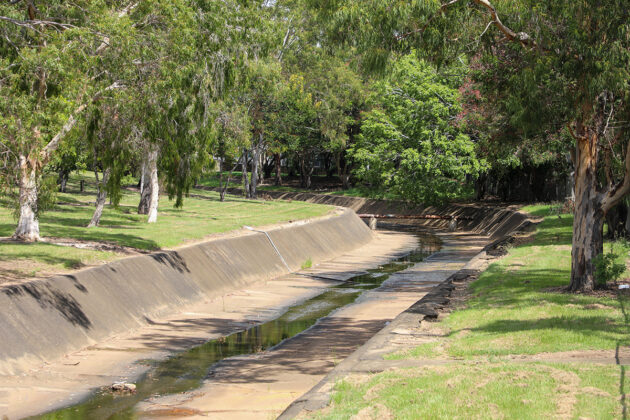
145 185
154 185
101 196
255 164
28 225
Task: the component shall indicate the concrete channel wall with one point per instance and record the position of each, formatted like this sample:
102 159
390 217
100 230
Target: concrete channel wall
495 222
45 319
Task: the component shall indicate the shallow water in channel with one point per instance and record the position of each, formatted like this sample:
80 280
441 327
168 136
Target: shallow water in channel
186 371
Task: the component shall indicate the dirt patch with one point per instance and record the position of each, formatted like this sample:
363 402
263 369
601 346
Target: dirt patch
357 379
494 412
595 391
568 386
375 412
373 392
611 291
94 245
597 306
17 270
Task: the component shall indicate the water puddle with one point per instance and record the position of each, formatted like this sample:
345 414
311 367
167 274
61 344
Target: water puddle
186 371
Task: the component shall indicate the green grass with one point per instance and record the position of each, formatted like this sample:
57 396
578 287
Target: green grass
307 264
212 181
201 216
513 309
473 391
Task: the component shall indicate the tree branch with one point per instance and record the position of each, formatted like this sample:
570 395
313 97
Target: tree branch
521 37
31 24
428 22
616 194
124 12
52 145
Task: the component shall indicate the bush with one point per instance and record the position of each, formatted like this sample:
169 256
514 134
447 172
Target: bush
607 268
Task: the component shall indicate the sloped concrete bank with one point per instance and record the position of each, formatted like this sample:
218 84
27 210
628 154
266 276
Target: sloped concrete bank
495 222
43 320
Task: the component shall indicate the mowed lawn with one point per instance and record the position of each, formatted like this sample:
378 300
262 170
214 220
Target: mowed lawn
518 348
202 215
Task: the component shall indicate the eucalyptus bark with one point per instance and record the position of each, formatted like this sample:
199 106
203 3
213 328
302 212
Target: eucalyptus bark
145 186
101 196
306 172
63 180
278 163
342 170
224 187
588 220
154 197
256 152
591 205
244 175
28 224
149 185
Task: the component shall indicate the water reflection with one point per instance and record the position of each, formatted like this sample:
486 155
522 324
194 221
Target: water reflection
186 371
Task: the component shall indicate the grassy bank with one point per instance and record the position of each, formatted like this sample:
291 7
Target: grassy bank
321 185
502 355
202 215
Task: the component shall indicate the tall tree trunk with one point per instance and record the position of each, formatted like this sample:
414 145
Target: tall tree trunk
255 165
145 185
261 173
278 163
154 197
309 176
224 187
588 221
302 172
345 177
28 225
101 196
63 180
268 166
342 170
244 174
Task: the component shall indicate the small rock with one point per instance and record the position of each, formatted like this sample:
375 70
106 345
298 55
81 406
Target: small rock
123 387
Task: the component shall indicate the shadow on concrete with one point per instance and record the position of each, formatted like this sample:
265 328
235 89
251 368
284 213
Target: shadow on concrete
171 259
314 352
48 297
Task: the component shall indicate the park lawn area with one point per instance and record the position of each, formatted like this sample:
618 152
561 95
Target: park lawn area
211 180
202 215
513 309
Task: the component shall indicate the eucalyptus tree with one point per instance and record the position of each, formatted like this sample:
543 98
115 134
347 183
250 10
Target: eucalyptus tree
50 72
111 138
233 135
258 95
550 67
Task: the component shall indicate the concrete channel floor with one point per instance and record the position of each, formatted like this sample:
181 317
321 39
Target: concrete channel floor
69 380
261 386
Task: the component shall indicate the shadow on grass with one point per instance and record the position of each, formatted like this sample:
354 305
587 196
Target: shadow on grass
25 251
587 325
623 302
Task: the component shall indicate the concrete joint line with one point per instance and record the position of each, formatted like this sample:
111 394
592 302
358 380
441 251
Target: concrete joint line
272 244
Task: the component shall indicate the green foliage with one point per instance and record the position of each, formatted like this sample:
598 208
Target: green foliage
608 268
307 264
411 143
123 226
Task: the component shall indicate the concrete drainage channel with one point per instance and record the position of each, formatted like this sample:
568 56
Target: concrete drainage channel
249 381
185 372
